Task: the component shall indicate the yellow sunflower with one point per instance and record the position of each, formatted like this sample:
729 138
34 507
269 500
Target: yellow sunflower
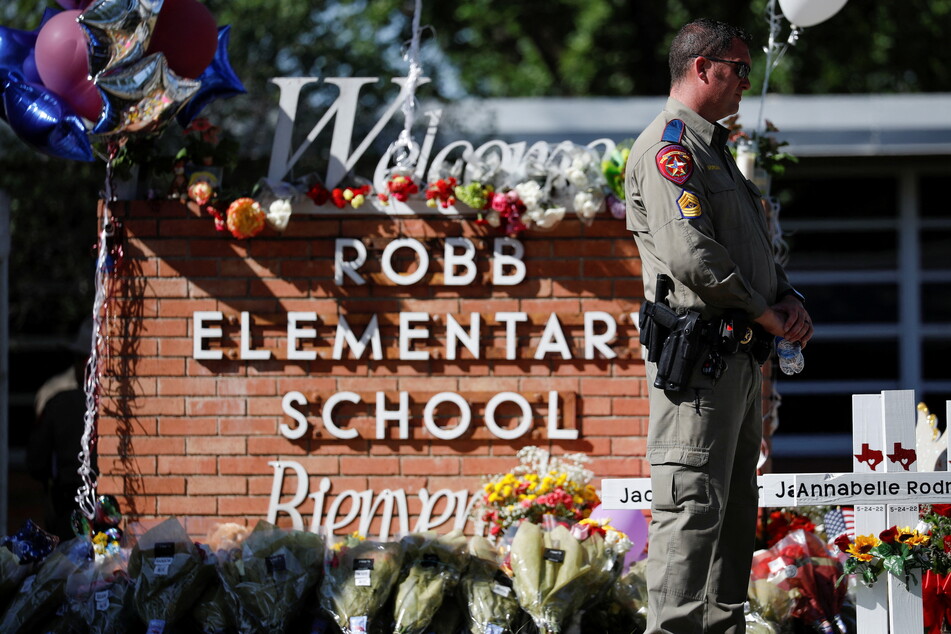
862 547
911 537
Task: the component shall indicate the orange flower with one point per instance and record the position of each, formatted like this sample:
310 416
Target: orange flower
245 218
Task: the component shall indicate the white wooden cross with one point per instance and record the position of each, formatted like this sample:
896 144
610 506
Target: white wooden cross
885 487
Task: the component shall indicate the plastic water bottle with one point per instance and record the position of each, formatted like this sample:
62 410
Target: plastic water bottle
790 356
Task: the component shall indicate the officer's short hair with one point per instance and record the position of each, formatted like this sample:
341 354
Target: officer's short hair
701 37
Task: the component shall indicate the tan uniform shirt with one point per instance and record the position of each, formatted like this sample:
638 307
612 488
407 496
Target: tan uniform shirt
697 219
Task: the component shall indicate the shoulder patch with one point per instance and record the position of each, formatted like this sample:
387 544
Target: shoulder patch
675 163
689 204
674 131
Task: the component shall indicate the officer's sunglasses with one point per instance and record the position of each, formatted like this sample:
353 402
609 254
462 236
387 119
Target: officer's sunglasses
742 68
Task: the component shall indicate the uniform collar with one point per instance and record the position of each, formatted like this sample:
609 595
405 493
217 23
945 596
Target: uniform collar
713 134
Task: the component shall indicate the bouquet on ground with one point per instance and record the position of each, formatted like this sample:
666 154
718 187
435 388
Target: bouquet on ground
557 569
19 555
487 592
432 566
359 577
624 607
540 485
267 580
100 592
40 603
170 574
800 565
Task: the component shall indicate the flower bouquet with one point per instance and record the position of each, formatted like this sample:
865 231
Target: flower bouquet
487 592
359 577
556 570
432 567
896 550
212 613
268 579
42 594
99 593
624 606
800 565
170 573
540 485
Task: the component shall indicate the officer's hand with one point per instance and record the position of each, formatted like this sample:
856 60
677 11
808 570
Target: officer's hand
798 325
773 321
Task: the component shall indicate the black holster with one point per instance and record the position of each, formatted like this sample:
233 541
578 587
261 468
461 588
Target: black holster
674 342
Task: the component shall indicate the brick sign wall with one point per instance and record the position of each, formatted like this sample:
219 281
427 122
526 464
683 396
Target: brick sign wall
346 394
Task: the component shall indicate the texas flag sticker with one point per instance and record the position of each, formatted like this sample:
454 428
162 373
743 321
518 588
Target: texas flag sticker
675 163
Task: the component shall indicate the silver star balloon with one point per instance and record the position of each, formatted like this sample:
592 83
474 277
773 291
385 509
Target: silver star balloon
118 31
140 98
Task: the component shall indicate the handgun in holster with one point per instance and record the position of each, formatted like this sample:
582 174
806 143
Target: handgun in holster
674 341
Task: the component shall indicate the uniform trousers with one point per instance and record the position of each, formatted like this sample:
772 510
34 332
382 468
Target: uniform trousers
703 444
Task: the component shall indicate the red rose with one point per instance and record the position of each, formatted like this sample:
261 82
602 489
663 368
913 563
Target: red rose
842 542
888 536
947 543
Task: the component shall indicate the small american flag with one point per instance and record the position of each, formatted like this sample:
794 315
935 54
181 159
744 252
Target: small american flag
838 521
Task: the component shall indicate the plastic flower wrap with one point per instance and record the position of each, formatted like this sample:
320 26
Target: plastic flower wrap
170 574
555 572
780 522
487 591
800 565
211 613
613 166
270 578
624 606
432 564
99 593
359 577
18 555
541 484
42 594
245 219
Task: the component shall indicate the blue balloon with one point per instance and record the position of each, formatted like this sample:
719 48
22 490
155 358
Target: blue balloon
17 49
43 120
217 82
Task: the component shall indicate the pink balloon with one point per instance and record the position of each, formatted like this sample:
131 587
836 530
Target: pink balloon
632 523
86 100
187 34
62 54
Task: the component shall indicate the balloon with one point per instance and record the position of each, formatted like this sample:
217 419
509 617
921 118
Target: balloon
74 4
43 120
118 31
217 82
17 49
86 100
632 523
810 12
108 514
62 56
141 97
187 34
80 524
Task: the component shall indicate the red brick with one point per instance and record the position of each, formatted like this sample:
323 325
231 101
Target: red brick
222 485
217 446
370 466
188 465
428 466
174 505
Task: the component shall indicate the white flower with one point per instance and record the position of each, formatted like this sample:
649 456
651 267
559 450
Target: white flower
492 217
278 214
585 205
530 193
550 217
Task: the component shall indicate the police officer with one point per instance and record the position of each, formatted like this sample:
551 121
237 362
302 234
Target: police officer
697 220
